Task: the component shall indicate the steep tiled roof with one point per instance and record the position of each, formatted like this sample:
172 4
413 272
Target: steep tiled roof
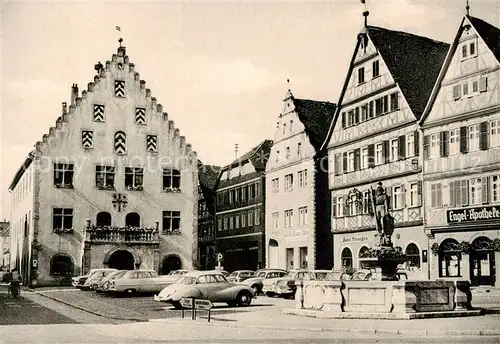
489 33
316 117
207 175
413 61
258 156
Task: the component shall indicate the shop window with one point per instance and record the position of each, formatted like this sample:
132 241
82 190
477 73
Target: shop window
412 256
450 259
346 259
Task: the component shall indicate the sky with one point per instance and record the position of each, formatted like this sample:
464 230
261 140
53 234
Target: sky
220 69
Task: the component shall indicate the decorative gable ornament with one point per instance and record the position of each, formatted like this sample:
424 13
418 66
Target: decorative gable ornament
140 115
151 143
119 201
120 143
98 113
87 139
120 88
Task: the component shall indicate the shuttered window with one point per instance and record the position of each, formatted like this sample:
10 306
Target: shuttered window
338 164
483 135
436 195
443 144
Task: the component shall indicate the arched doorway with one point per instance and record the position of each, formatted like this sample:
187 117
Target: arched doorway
412 256
170 262
346 256
133 220
103 219
61 265
482 262
450 259
121 260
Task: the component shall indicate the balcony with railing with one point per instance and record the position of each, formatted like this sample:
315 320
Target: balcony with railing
122 235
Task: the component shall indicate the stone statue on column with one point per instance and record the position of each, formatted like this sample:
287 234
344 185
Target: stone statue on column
383 219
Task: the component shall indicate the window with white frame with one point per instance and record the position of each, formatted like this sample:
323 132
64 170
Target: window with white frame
364 158
398 197
62 219
275 220
434 146
257 217
353 205
475 191
243 220
219 224
171 221
474 137
379 154
275 185
469 49
277 156
284 128
291 125
226 222
495 133
340 206
288 218
289 182
287 153
394 154
366 203
410 145
237 221
495 188
63 175
302 216
413 195
350 161
299 149
436 195
454 141
302 178
361 75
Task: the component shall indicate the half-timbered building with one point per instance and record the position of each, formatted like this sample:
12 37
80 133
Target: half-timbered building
461 128
374 138
113 184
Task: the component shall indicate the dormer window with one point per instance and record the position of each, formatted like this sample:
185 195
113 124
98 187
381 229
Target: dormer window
291 125
284 128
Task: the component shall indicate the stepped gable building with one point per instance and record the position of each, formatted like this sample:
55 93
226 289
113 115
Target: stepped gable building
207 180
297 207
240 190
113 184
374 138
461 128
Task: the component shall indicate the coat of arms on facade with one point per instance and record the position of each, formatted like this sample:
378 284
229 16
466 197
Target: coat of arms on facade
119 201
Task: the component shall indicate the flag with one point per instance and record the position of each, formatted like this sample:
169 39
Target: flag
118 28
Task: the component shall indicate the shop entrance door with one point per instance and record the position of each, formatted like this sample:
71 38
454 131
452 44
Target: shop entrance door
482 268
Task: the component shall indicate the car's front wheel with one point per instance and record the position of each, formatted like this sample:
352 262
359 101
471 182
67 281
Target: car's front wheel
244 299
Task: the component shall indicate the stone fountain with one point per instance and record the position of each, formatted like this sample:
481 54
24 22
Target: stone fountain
385 296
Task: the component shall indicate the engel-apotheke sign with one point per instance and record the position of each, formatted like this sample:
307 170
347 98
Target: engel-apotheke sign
473 214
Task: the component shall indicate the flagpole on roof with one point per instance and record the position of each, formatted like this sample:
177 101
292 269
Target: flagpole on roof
365 13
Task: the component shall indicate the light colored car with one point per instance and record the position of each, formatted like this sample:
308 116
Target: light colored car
91 282
285 286
103 284
206 285
240 275
338 276
321 274
140 281
79 281
255 282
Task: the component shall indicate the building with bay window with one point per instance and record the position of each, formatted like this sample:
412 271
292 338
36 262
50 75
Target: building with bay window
240 190
113 184
375 137
297 199
461 128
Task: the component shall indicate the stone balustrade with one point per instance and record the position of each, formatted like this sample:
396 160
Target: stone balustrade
127 235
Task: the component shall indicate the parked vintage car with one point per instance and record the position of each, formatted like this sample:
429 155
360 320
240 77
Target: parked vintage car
321 274
104 284
337 276
79 281
207 285
255 282
240 275
285 286
139 281
91 282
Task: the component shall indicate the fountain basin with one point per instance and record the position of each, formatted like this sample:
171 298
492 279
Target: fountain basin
383 299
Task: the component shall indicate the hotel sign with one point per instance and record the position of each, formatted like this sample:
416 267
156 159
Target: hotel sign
473 214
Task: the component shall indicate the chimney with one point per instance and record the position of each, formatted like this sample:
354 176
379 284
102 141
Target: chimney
74 93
